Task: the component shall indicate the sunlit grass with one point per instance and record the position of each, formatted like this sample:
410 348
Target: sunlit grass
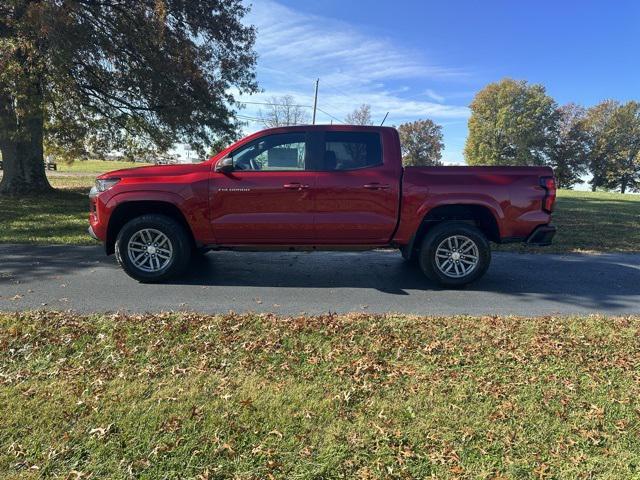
58 218
97 166
189 396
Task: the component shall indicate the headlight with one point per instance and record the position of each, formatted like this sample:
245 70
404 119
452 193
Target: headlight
106 184
102 185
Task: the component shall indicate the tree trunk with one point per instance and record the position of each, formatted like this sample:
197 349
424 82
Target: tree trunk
21 141
623 186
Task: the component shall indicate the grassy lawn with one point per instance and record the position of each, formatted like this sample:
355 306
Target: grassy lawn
592 222
97 166
59 218
188 396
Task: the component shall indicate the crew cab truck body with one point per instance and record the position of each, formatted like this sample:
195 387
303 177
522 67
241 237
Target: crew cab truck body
319 188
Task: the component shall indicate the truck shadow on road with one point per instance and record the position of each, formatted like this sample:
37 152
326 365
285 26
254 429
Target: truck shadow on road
599 282
607 283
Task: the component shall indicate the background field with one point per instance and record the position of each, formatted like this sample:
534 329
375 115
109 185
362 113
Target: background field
587 222
177 396
97 166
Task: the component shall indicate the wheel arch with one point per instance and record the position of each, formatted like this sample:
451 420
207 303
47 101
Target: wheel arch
479 215
128 210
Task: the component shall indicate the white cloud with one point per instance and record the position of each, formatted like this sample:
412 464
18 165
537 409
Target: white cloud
434 96
354 67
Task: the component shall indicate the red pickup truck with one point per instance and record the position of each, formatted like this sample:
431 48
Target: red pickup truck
319 188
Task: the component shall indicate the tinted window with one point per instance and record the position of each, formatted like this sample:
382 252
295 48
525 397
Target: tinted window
274 152
349 150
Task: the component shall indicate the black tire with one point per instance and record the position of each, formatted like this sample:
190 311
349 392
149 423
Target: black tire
435 238
408 255
180 245
199 253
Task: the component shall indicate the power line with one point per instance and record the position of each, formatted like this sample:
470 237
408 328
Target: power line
247 116
328 114
339 92
277 104
251 119
287 105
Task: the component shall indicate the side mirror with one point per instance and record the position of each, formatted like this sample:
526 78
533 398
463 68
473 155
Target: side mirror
225 165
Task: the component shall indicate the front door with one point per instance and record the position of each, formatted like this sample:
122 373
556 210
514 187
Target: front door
268 198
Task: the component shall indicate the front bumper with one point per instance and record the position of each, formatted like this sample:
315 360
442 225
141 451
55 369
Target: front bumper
541 236
92 234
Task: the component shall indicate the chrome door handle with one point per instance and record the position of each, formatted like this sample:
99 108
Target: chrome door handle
376 186
295 186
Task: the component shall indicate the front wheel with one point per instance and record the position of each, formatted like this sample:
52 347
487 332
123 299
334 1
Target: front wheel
153 248
455 254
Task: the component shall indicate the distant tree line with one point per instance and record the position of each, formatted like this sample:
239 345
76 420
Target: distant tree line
516 123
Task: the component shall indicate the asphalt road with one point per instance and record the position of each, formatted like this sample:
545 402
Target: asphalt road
83 279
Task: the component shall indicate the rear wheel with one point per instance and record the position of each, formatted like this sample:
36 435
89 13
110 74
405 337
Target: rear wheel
153 248
455 254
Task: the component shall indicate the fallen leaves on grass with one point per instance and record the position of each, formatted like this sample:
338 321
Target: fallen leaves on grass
328 396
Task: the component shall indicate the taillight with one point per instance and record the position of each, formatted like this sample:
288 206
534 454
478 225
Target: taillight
549 184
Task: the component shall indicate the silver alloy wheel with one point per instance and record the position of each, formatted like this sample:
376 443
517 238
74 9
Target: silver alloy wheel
457 256
150 250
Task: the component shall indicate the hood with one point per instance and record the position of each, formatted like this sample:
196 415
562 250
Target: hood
156 170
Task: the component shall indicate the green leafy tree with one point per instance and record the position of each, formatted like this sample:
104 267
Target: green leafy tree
511 123
601 146
360 116
220 143
569 155
626 175
614 158
421 143
82 75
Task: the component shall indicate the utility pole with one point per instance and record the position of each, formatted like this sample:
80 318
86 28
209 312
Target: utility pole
315 103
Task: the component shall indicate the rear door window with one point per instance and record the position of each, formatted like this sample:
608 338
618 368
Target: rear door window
351 150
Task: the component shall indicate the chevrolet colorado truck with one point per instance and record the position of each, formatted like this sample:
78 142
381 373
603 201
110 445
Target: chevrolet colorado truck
319 188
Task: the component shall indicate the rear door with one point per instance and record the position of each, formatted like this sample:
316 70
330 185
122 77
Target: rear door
268 197
357 190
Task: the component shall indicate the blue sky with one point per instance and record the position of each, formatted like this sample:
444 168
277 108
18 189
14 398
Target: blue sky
419 59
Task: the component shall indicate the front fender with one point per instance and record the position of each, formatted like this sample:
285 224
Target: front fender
194 210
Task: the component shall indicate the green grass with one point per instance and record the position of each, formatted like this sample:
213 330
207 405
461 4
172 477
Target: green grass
189 396
96 166
586 221
59 218
80 181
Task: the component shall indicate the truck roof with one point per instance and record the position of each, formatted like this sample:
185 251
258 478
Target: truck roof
326 127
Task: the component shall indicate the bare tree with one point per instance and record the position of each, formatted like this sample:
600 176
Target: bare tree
360 116
283 112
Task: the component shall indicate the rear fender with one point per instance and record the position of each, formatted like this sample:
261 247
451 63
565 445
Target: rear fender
422 213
